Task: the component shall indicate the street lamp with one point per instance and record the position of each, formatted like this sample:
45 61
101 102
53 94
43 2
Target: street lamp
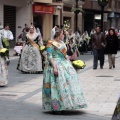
102 4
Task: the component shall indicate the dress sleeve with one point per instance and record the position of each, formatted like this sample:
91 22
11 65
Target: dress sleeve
49 50
49 53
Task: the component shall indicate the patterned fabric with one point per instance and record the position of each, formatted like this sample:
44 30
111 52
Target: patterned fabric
30 59
3 72
116 115
63 92
3 68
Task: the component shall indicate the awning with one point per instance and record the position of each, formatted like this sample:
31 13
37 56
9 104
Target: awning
41 9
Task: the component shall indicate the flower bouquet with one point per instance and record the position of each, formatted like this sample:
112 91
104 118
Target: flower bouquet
42 48
3 52
78 64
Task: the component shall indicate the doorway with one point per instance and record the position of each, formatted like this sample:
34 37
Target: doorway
10 18
38 21
55 20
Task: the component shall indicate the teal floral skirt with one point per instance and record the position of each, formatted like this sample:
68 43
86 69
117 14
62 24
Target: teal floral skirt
116 115
63 92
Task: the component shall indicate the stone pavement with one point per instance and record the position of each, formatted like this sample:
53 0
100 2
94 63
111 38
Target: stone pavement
101 88
11 53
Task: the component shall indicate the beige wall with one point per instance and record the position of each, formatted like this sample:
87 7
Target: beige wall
23 15
80 22
47 26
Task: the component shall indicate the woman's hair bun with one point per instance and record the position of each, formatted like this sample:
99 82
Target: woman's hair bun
57 33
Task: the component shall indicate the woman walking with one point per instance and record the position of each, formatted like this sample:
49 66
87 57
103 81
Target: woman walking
30 59
61 87
112 47
3 68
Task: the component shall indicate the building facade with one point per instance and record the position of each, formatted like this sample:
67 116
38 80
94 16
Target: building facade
69 15
18 13
92 16
45 13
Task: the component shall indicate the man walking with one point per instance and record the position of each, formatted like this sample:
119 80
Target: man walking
6 36
98 45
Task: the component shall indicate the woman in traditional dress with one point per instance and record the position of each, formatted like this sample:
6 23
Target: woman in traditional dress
3 68
30 59
72 50
61 87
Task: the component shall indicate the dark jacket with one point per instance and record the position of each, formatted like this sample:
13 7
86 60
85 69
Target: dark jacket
112 44
98 41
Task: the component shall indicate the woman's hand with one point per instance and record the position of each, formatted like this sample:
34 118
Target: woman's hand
55 72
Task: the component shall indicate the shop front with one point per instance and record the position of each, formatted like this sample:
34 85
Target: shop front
16 14
46 17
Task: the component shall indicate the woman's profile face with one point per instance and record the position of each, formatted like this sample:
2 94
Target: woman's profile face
111 32
31 29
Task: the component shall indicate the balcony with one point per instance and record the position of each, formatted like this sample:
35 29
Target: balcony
72 2
50 2
57 0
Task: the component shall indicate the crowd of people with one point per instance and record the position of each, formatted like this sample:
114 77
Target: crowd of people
61 85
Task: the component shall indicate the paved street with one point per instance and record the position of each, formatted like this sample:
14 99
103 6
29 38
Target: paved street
22 98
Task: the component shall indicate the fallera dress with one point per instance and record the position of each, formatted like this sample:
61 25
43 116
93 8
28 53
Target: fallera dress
30 59
63 92
116 115
3 69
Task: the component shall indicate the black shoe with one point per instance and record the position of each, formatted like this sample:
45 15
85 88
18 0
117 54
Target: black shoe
101 67
57 112
113 66
110 67
94 68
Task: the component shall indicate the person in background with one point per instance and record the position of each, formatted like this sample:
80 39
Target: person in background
106 32
98 45
3 68
39 33
90 41
6 36
112 47
71 45
119 36
30 59
53 31
77 37
92 32
22 36
71 36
